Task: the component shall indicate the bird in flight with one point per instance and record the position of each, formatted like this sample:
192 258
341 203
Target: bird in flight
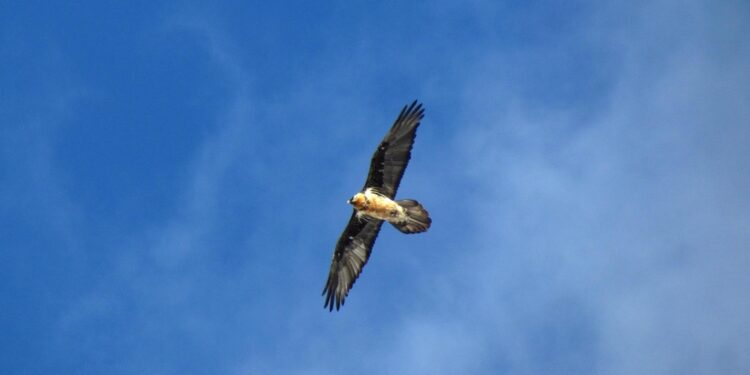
374 205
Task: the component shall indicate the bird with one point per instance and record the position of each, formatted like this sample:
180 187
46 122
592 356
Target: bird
375 204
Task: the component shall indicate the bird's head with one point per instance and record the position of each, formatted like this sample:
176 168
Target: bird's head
358 201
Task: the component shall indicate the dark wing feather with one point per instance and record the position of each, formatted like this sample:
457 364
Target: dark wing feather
352 252
392 155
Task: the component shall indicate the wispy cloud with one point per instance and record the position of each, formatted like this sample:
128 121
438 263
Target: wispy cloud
156 273
570 237
615 244
602 239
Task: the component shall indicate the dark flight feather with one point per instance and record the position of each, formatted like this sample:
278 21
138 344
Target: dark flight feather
351 254
394 151
386 169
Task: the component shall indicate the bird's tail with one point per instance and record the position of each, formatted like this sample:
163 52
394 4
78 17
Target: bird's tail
417 218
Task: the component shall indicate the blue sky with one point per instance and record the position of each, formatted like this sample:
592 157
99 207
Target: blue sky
174 177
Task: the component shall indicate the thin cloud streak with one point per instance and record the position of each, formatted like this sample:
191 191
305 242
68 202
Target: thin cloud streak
568 239
598 232
617 247
156 274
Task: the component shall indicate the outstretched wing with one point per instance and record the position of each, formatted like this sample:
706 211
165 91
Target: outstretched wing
392 155
352 252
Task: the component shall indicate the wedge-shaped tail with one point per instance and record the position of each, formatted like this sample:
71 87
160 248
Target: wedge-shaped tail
417 218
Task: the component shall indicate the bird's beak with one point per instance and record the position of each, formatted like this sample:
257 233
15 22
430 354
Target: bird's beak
348 201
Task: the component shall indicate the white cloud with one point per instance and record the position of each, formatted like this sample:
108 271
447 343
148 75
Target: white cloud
635 221
601 240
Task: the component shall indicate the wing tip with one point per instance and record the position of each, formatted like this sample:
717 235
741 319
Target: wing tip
332 298
415 108
411 114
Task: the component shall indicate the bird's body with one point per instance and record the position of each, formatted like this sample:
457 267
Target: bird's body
375 204
370 203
